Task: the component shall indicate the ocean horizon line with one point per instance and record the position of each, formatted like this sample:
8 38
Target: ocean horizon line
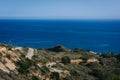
60 19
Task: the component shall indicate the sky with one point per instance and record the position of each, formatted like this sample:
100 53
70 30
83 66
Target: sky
59 9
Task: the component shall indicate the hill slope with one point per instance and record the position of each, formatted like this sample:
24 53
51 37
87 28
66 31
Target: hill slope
56 63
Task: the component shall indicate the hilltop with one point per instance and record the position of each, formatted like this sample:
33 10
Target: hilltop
57 63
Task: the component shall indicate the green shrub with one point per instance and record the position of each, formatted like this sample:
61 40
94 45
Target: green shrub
108 55
34 78
65 60
24 65
118 56
54 76
44 70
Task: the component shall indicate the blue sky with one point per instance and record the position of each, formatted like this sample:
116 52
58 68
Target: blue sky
60 9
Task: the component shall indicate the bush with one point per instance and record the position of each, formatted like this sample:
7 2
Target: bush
34 78
24 65
54 76
44 70
118 56
108 55
65 60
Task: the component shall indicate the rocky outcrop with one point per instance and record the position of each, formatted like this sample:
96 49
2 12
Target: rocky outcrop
76 61
30 53
4 68
7 59
92 60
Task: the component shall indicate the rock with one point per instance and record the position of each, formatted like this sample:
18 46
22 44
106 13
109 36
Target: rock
2 49
9 64
92 60
76 61
3 68
30 53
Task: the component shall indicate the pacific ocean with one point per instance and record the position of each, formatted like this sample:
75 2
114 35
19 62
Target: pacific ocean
95 35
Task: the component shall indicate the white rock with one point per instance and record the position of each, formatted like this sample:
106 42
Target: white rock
30 53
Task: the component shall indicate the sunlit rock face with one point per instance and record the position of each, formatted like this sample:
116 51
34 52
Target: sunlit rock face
8 59
76 61
30 53
92 60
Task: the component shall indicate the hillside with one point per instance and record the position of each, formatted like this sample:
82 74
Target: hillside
57 63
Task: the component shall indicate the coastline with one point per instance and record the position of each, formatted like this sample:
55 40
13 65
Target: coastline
58 60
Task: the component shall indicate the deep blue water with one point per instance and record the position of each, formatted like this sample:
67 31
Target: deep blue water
96 35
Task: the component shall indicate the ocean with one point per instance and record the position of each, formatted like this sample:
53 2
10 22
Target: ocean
95 35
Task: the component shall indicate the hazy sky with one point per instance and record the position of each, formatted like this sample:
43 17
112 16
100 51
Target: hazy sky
60 9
